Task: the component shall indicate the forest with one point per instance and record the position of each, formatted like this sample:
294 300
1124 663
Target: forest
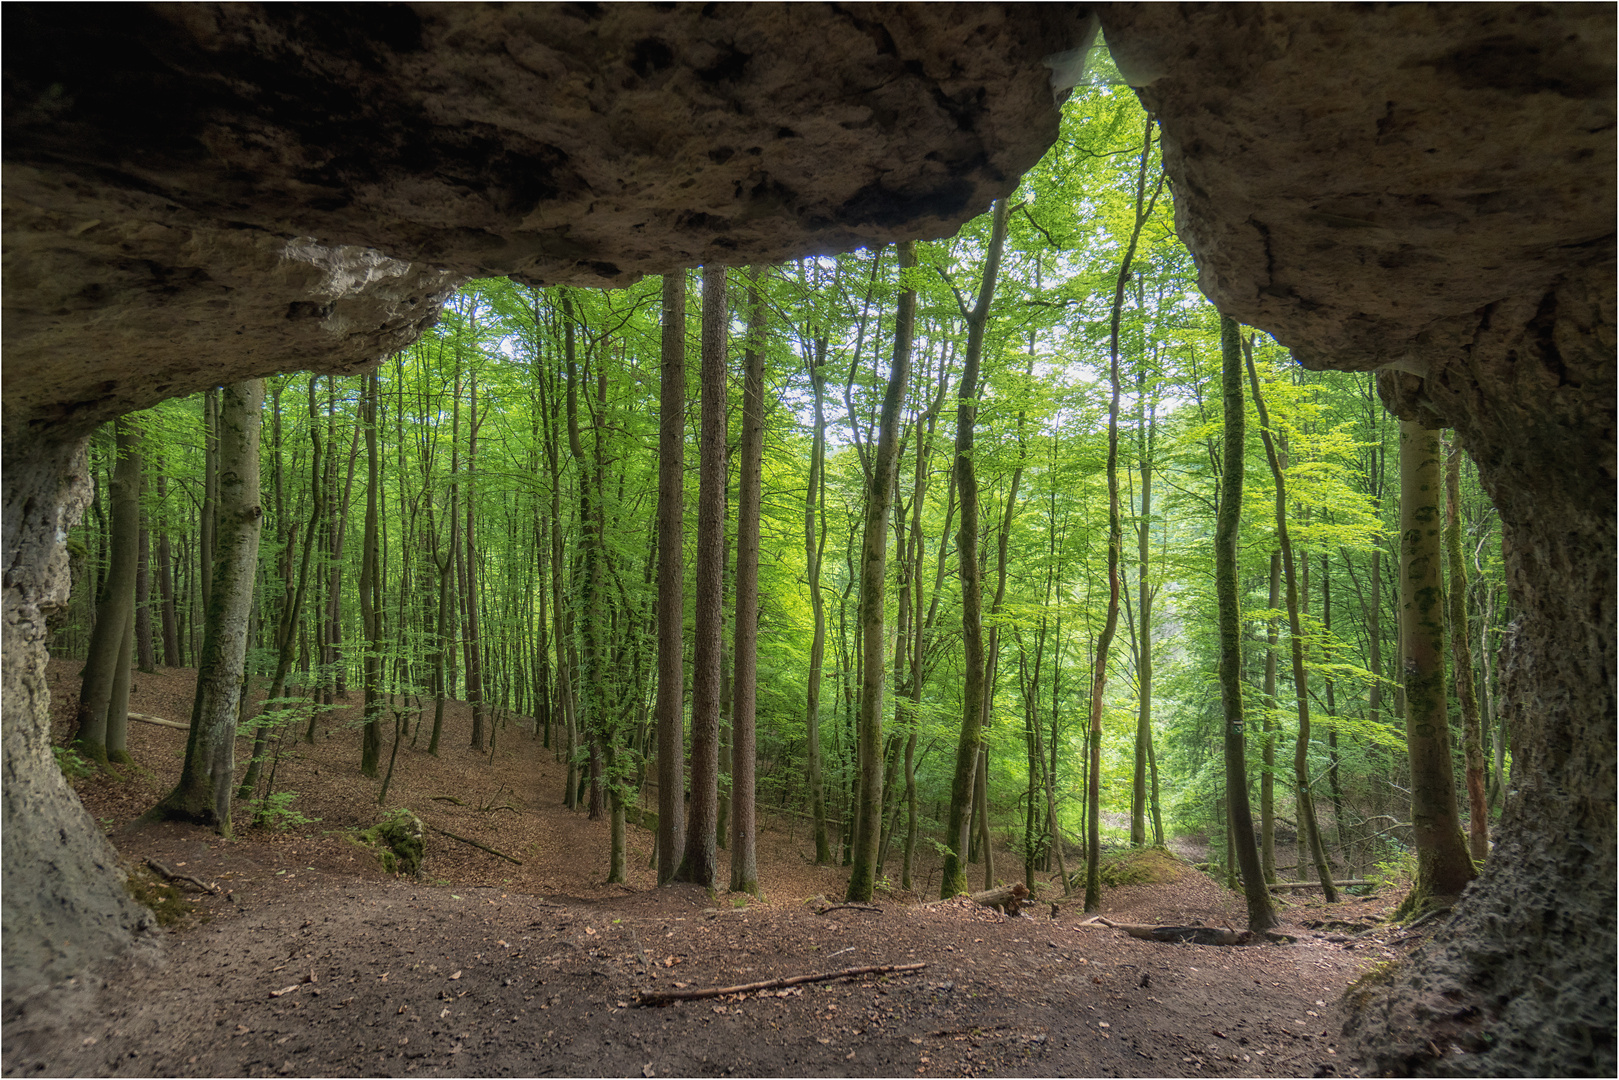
926 546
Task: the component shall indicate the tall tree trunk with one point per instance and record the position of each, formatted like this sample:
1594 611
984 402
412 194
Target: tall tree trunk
744 851
145 653
114 616
210 492
671 579
1301 686
699 864
165 575
1443 865
954 877
371 587
592 678
1144 598
1239 815
873 584
1461 652
1268 726
204 791
474 641
1093 838
1332 711
814 551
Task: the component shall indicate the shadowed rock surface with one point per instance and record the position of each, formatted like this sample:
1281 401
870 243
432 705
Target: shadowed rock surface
200 194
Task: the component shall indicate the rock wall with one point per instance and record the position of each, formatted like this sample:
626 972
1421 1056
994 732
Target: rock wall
1428 190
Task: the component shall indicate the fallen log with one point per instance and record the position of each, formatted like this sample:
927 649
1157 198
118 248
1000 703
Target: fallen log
666 997
1009 898
474 843
1196 935
170 875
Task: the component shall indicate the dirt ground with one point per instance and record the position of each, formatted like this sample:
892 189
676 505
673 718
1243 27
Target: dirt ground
311 961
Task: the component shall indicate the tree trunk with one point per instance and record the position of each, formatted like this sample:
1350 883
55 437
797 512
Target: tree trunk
699 864
115 614
1461 652
474 642
210 493
1240 821
1144 598
744 852
814 550
204 791
165 576
1295 629
954 878
873 584
1443 865
145 653
671 579
1267 777
371 587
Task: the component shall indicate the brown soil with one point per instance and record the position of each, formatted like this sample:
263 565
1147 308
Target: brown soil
313 961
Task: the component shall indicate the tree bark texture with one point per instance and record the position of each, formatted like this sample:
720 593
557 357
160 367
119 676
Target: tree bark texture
1444 867
671 579
204 792
1295 631
744 851
114 615
1461 658
873 584
1239 815
699 864
954 877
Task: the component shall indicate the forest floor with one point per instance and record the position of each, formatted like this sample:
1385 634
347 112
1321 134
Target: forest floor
311 961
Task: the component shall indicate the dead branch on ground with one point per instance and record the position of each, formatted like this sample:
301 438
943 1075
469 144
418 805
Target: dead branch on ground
170 875
665 997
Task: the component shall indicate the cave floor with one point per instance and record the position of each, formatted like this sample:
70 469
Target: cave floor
313 962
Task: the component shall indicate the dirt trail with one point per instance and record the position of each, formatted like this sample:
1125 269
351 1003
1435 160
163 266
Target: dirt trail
314 962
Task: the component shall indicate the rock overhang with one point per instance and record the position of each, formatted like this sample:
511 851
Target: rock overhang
197 193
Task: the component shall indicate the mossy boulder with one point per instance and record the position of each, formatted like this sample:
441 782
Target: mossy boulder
399 842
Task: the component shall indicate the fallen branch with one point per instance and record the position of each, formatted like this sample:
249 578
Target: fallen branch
665 997
170 875
1197 935
1317 884
474 843
447 798
159 721
848 907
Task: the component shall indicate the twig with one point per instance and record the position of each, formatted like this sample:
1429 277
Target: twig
849 907
667 996
474 843
172 876
447 798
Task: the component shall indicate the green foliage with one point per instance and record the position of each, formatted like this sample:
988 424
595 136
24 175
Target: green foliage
275 811
74 766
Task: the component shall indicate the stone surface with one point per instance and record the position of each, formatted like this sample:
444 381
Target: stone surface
196 193
1429 190
166 163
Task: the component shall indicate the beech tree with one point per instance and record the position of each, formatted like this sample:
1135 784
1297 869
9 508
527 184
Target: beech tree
204 792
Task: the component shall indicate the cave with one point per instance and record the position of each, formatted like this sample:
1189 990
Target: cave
199 194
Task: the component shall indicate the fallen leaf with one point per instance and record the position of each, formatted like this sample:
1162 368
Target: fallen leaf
283 992
457 975
646 1070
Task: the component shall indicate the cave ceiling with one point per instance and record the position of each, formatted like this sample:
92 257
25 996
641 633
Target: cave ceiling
196 193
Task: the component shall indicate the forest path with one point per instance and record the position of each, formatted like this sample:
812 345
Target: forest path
470 972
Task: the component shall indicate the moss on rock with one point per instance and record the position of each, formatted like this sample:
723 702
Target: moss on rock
399 841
